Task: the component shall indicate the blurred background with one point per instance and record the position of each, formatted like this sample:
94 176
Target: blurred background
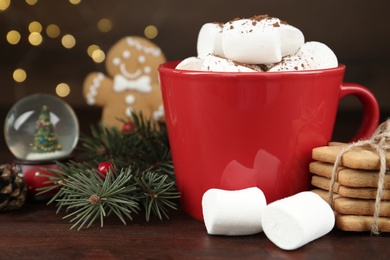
50 46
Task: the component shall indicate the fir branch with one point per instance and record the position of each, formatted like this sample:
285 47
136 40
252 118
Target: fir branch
142 177
104 143
158 194
145 148
61 176
92 197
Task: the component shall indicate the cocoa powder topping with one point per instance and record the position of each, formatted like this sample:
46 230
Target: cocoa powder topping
259 17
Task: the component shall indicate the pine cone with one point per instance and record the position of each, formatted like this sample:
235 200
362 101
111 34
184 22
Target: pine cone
13 188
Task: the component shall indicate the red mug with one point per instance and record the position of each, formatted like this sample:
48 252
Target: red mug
232 130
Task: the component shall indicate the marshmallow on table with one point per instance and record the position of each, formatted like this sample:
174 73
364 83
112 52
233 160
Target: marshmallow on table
233 213
191 63
209 40
297 220
216 63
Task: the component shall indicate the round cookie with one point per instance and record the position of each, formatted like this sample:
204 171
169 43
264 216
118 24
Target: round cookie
132 82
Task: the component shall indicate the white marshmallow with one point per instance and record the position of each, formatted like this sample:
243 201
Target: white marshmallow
291 39
233 213
318 55
210 40
252 41
290 63
220 64
311 56
191 63
297 220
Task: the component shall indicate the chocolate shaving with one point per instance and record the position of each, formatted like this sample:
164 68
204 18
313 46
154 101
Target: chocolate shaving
259 17
235 19
283 22
219 24
263 67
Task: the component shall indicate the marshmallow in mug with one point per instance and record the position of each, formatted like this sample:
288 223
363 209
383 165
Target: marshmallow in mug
210 40
297 220
216 63
256 40
260 43
311 55
191 63
259 40
233 213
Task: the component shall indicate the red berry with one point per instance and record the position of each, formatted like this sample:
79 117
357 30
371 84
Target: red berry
128 127
104 167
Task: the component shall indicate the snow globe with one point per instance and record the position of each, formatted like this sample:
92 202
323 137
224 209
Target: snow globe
40 130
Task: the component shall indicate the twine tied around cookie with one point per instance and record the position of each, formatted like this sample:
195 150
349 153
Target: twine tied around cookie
380 141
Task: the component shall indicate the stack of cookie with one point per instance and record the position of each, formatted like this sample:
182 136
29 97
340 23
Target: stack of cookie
355 187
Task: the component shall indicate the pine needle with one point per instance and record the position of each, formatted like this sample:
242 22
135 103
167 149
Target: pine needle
142 179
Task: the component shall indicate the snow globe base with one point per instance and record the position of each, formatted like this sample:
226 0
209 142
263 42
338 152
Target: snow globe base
36 175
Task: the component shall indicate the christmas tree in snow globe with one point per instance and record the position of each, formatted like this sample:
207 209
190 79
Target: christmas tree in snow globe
45 138
40 130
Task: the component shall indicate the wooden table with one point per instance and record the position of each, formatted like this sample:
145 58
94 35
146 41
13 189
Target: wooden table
37 232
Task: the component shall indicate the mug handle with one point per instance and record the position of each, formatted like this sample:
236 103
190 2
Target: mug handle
370 108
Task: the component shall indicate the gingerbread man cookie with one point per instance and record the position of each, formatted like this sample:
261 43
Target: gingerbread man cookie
132 82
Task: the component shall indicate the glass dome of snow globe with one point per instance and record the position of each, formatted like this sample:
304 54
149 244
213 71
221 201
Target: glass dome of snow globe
41 128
